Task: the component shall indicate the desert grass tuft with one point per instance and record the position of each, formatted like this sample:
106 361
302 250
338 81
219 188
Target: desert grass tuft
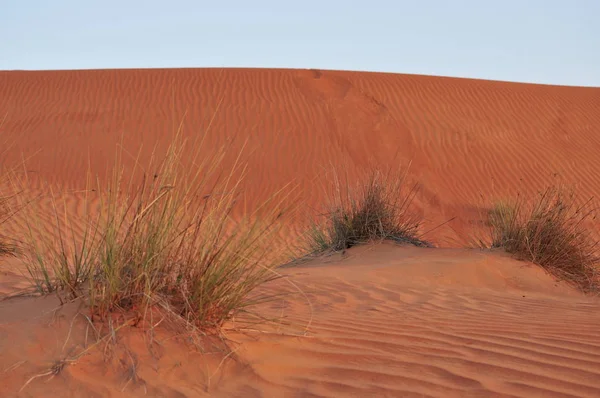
377 208
549 231
165 238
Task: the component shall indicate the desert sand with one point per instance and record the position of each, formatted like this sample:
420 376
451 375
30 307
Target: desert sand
379 320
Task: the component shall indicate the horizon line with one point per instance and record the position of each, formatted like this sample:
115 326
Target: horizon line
96 69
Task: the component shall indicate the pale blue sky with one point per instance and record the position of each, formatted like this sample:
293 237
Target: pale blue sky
555 42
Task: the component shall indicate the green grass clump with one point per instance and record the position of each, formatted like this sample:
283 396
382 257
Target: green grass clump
549 231
164 241
378 208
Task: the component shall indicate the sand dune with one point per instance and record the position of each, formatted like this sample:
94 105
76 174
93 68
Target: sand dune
383 321
465 138
378 321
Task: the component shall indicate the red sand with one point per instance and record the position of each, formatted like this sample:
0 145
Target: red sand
465 138
386 322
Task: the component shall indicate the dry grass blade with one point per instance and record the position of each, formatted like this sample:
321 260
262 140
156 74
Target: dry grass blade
14 366
55 370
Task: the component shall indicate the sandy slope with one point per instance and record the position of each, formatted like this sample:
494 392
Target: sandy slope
383 321
465 138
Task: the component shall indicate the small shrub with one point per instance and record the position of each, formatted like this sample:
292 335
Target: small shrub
167 242
549 232
376 209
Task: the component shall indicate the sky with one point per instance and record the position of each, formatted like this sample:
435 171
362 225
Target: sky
550 42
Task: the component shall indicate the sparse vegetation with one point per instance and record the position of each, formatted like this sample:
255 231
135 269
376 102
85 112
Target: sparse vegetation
550 232
378 208
163 242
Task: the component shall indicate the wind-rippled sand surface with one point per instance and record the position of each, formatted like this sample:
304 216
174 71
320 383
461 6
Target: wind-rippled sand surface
383 320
